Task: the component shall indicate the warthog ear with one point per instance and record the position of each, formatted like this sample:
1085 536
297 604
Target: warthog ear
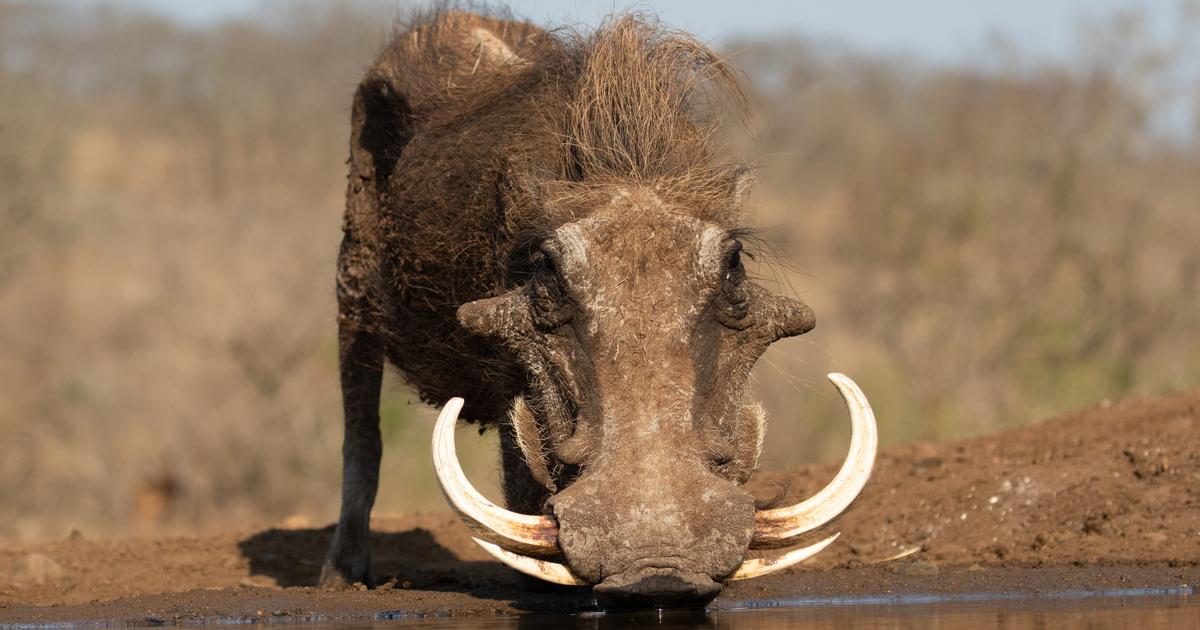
490 49
743 181
505 316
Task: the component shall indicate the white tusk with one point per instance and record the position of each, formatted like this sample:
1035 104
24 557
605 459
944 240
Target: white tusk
524 533
781 527
541 569
762 566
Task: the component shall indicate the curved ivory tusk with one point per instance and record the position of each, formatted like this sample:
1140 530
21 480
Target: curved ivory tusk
541 569
561 574
524 533
762 566
781 527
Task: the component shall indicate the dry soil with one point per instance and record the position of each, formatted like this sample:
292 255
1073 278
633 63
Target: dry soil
1103 499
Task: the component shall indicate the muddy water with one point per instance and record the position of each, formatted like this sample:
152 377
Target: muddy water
1131 610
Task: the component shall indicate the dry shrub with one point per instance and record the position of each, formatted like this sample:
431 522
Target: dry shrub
983 247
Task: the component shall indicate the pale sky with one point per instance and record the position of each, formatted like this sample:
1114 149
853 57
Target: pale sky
938 30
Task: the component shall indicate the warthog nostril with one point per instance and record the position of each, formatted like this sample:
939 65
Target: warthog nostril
656 588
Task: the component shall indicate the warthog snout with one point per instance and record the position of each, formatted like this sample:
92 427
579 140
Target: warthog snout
654 530
655 587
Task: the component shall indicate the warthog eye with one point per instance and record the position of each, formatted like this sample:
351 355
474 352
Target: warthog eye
733 260
550 305
732 305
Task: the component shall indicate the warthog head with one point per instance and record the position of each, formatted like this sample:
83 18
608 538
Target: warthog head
637 327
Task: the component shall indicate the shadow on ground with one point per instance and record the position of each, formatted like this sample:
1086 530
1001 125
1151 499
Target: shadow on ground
407 560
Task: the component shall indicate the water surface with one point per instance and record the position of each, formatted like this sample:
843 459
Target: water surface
976 613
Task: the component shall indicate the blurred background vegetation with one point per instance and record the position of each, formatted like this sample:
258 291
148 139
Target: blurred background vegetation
984 246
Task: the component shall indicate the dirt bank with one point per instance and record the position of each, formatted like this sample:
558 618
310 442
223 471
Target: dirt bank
1106 498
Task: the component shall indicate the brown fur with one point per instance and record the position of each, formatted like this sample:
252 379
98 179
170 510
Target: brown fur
481 148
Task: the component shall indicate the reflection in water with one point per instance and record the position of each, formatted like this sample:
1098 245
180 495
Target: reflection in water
1014 614
1171 612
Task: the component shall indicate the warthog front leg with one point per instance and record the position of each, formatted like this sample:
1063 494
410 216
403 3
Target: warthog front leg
361 364
349 557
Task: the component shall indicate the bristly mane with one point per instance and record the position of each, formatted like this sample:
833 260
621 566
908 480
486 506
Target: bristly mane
631 100
640 105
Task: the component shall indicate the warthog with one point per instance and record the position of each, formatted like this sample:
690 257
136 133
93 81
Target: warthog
538 222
